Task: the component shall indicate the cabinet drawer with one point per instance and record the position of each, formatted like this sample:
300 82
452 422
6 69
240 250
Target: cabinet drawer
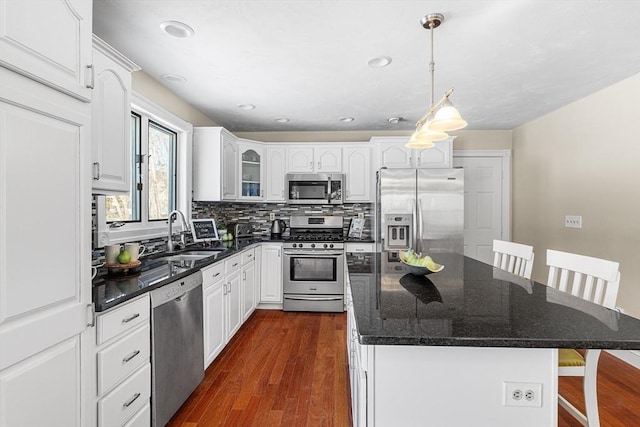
122 319
360 247
232 264
248 256
212 274
122 358
126 399
141 419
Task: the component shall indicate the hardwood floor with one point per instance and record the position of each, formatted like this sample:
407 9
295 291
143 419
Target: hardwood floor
290 369
280 369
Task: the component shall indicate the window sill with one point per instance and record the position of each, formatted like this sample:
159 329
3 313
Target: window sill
131 233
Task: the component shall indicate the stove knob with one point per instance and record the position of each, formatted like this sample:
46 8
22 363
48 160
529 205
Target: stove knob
325 245
300 245
331 245
294 245
313 245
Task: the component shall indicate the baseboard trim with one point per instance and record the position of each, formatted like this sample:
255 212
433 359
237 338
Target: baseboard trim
632 357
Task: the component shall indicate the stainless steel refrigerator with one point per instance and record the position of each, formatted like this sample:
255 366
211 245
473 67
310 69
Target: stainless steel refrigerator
422 209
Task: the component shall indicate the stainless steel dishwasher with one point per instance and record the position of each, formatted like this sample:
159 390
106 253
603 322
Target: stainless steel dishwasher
177 357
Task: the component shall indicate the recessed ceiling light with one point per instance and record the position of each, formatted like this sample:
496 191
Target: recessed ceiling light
346 119
394 120
246 106
281 120
379 62
174 78
177 29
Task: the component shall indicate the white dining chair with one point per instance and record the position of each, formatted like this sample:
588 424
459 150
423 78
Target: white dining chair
596 280
515 258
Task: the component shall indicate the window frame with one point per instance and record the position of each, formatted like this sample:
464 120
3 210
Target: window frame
137 231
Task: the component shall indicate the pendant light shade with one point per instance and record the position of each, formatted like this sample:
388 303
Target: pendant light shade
442 116
447 118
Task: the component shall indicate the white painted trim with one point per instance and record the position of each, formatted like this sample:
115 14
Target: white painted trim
632 357
505 155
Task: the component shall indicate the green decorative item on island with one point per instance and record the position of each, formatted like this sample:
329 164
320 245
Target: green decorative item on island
418 264
124 257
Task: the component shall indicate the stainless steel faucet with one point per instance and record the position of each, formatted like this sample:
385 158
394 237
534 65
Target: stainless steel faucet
185 227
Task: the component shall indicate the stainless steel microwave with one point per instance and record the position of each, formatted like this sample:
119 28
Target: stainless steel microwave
315 188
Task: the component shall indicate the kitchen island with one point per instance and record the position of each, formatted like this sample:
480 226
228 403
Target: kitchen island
443 349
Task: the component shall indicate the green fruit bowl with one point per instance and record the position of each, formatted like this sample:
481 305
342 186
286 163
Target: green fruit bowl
415 270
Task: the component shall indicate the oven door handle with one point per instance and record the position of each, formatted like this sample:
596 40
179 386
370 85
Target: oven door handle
312 298
313 254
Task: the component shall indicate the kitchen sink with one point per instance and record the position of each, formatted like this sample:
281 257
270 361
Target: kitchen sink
193 255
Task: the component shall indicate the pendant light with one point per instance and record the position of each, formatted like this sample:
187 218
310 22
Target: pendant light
442 116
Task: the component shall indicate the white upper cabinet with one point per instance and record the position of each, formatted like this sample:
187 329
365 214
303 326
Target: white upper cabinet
215 164
356 164
111 120
49 41
392 153
322 159
251 170
275 173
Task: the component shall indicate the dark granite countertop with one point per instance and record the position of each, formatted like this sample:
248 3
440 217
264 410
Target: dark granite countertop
111 288
470 303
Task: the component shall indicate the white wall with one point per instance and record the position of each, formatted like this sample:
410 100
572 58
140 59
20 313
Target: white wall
583 159
149 88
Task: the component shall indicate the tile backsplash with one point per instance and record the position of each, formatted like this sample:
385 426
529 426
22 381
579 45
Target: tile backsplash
257 214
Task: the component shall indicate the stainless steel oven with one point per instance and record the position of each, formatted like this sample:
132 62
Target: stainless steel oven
313 265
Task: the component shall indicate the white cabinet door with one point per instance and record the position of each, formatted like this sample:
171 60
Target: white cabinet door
323 159
214 321
215 165
229 167
327 159
392 153
44 159
358 176
111 120
248 289
271 273
233 303
251 169
275 173
49 41
439 156
301 159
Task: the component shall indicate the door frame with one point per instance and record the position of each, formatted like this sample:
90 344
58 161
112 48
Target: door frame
505 156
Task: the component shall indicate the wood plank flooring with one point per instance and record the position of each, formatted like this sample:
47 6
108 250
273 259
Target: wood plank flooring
290 369
280 369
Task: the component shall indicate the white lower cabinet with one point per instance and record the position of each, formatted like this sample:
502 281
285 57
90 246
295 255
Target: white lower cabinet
225 286
271 273
357 369
213 315
232 294
123 364
248 283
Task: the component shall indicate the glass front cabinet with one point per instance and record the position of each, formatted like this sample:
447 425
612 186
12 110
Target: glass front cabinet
251 170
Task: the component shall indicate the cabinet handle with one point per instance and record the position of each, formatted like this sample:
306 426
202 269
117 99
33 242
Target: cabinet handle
96 170
129 319
234 264
217 274
131 400
91 308
311 164
244 275
224 289
278 253
229 287
131 356
91 73
319 166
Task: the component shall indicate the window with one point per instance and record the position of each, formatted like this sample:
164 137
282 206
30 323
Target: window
159 146
160 151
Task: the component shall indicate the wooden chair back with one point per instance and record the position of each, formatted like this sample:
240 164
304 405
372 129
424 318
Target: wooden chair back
515 258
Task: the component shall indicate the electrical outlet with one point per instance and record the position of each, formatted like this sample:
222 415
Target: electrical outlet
522 394
361 215
272 216
573 221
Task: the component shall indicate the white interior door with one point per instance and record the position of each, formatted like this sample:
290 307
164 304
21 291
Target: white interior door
485 204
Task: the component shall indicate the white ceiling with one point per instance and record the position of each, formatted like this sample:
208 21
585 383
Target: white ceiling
306 60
